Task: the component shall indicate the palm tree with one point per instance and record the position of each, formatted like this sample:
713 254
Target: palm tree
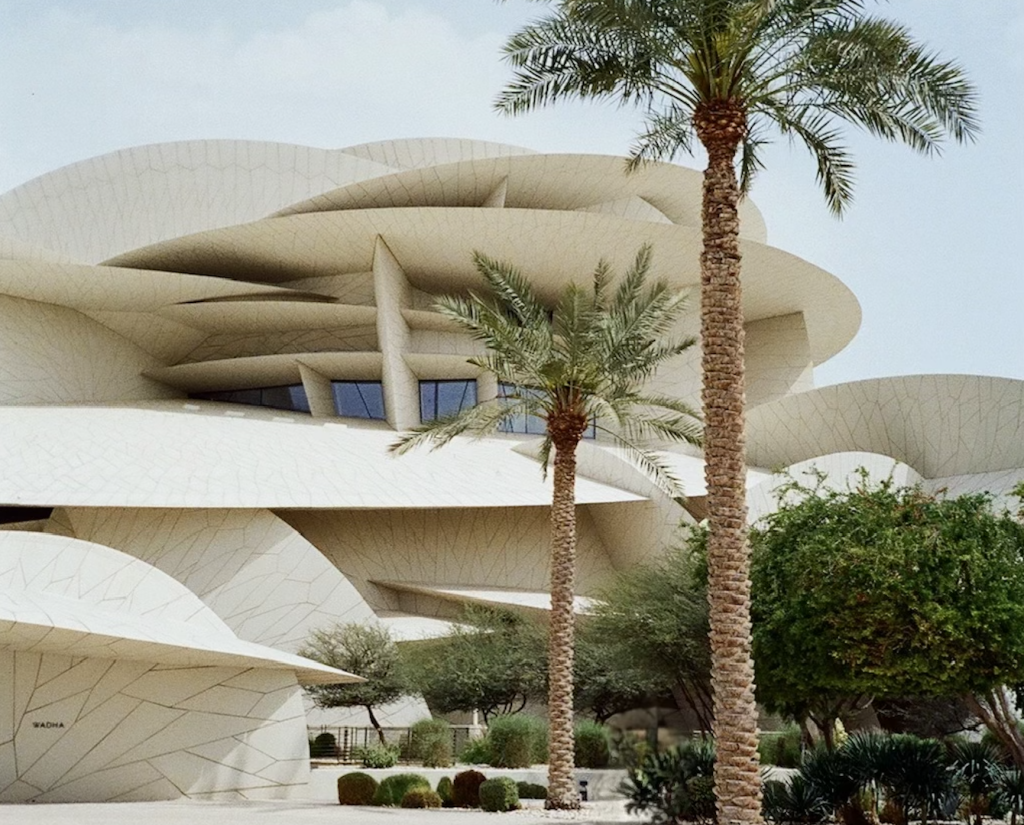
725 73
581 365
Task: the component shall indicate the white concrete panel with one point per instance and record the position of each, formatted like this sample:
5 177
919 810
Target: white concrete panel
205 455
98 207
54 355
264 580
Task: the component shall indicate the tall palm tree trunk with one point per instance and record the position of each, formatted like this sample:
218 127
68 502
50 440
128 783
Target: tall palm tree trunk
561 751
720 126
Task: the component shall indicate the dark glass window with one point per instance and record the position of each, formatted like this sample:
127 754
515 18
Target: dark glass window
359 399
291 397
441 398
530 424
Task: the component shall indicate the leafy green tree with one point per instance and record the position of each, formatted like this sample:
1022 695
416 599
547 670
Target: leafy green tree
885 591
493 661
726 74
581 363
605 681
365 650
654 621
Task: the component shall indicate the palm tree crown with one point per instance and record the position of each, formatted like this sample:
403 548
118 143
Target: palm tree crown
801 67
584 362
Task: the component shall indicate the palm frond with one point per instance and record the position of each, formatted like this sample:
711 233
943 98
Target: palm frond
653 466
800 66
835 168
512 289
483 419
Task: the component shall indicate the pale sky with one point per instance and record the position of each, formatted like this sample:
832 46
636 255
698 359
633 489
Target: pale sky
930 246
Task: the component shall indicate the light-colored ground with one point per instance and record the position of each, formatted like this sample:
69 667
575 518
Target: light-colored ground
292 813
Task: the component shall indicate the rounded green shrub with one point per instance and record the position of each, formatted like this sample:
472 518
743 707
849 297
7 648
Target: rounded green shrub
393 788
531 790
377 756
421 798
444 790
781 748
466 789
499 795
324 745
516 741
430 741
356 788
476 752
593 744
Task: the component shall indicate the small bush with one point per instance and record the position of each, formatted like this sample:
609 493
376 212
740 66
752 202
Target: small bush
356 788
466 789
430 741
675 785
393 788
517 741
324 745
476 752
593 744
793 803
701 791
377 756
499 795
531 790
421 798
781 748
444 790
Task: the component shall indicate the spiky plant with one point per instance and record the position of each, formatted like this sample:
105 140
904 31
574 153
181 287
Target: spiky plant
726 74
584 362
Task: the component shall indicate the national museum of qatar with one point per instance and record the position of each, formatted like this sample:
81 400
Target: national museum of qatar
206 349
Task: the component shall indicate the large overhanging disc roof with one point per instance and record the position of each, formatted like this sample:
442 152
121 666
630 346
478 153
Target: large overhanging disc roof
435 246
940 425
120 289
558 182
207 455
63 595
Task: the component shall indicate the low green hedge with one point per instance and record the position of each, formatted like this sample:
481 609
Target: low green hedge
393 788
421 798
499 795
356 788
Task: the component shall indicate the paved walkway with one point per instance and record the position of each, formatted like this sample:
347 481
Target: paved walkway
188 812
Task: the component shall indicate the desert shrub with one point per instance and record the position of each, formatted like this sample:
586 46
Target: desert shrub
593 744
517 741
476 752
323 745
977 770
701 792
674 785
392 788
629 749
421 798
911 773
1009 795
907 777
531 790
466 789
377 756
793 803
444 790
430 741
356 788
499 795
781 748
